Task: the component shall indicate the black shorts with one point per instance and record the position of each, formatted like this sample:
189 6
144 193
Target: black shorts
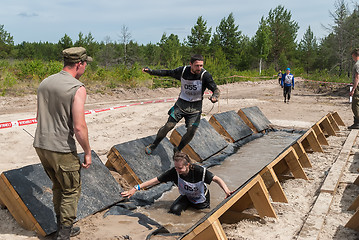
191 119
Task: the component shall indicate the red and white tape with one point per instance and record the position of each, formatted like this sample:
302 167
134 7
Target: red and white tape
29 121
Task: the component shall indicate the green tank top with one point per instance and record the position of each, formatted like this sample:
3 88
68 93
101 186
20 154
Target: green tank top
55 131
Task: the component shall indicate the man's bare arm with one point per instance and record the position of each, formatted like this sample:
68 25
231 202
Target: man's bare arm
80 126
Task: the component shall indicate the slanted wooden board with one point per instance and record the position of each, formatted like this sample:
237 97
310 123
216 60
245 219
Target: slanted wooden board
254 118
230 125
27 194
353 222
131 161
205 143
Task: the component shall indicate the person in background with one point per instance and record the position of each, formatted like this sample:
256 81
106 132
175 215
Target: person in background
354 92
191 180
60 115
194 81
287 84
279 76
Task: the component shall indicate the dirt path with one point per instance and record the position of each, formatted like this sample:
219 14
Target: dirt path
113 127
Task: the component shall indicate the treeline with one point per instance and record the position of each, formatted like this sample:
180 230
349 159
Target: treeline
226 49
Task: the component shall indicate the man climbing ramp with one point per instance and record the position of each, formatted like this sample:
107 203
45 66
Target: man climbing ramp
194 81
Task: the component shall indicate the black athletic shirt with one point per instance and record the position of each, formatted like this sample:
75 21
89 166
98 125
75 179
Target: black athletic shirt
194 175
207 82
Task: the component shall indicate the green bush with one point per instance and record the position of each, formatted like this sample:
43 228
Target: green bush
7 81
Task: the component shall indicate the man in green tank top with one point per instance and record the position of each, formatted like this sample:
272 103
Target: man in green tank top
355 92
60 115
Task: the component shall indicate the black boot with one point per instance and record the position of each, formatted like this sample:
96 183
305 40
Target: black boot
64 233
355 124
74 230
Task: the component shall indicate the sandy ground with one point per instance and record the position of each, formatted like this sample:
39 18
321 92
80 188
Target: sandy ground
106 129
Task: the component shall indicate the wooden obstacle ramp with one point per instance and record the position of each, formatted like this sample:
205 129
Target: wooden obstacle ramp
258 190
205 143
130 160
230 126
254 118
252 193
27 194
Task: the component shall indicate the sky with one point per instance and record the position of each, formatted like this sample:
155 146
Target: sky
146 21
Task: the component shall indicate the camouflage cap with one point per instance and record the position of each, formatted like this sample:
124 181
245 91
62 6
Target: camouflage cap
76 54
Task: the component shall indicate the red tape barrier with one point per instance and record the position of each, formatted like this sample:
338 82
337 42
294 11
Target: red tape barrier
29 121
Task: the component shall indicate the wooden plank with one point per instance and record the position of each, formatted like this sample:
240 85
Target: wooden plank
260 199
353 222
302 155
247 121
333 122
338 119
320 135
295 166
315 221
327 127
331 182
175 139
220 129
354 205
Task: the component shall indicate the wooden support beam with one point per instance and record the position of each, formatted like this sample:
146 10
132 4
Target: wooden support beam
175 139
213 232
333 122
327 127
2 204
356 182
274 188
232 217
260 199
313 142
354 205
120 165
338 119
294 165
17 208
320 135
247 121
302 155
281 169
220 129
242 204
353 222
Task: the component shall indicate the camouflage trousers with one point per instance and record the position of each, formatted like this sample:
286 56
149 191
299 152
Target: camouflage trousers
355 105
64 171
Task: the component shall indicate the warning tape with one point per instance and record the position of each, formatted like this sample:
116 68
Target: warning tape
29 121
